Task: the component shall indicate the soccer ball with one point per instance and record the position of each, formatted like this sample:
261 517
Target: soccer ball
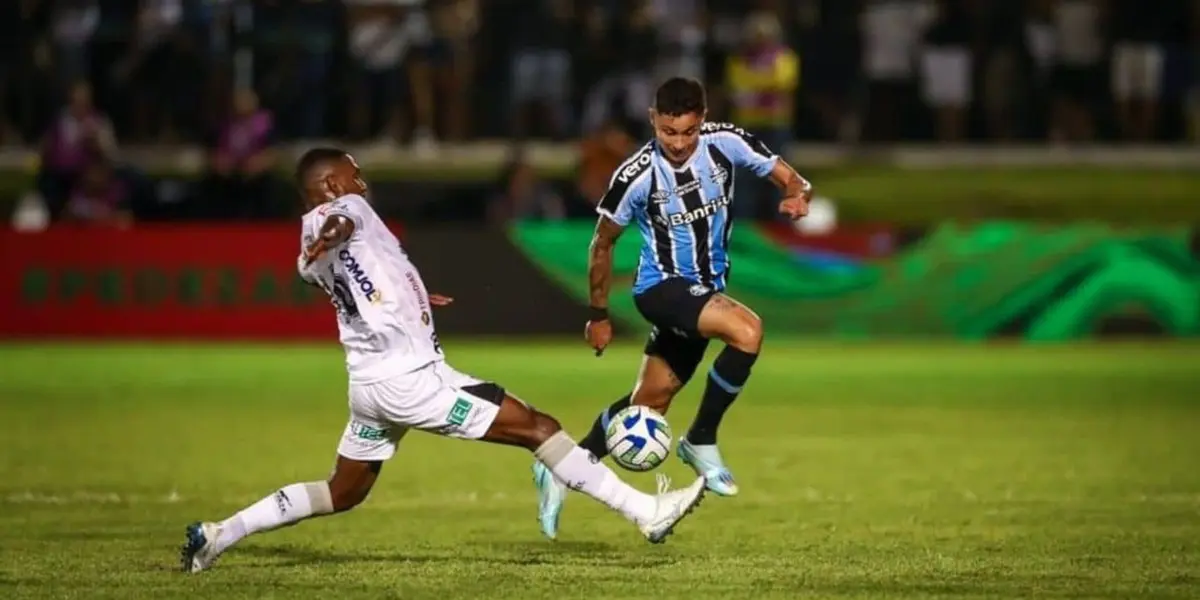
638 438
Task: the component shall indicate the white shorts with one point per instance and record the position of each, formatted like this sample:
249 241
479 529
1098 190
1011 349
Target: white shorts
435 398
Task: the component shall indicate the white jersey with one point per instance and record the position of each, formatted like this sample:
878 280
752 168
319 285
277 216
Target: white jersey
384 317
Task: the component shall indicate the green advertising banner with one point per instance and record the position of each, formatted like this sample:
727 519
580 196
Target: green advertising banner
970 282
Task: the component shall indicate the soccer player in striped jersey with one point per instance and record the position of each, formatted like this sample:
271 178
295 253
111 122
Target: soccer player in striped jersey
676 191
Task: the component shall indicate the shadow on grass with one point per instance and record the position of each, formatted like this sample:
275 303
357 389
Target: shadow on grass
517 553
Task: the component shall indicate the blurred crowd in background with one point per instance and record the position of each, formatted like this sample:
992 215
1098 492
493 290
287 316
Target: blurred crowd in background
239 76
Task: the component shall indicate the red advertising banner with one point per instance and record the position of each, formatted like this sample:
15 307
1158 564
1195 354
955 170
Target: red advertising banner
160 281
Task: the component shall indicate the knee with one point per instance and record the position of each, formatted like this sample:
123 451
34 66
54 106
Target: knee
345 498
540 428
747 334
657 395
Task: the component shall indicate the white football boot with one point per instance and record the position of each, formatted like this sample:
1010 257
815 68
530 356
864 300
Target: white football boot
199 551
672 507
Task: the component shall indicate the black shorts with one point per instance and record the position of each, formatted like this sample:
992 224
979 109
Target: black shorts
673 307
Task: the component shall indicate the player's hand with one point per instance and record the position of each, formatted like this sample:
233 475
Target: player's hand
313 252
599 334
795 207
440 300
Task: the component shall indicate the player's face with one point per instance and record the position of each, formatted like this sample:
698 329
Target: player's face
677 135
347 178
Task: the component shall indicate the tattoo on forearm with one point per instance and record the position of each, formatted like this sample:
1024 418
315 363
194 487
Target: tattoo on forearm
600 257
787 179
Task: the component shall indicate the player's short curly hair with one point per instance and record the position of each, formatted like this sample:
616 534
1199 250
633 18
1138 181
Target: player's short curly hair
680 96
313 158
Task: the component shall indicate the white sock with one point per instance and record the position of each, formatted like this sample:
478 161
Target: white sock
291 504
583 472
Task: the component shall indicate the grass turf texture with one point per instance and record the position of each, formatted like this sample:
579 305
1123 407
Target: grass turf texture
886 471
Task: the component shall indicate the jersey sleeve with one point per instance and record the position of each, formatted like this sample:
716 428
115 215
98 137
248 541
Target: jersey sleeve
745 150
625 196
350 206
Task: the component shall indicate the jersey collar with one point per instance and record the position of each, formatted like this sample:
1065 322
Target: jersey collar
687 164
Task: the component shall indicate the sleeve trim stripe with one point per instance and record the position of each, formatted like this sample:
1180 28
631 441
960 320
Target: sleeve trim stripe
749 147
630 188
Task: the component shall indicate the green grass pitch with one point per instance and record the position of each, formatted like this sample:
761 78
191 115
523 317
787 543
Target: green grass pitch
868 471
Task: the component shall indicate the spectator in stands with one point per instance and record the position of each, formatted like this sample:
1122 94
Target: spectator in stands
73 24
541 67
523 195
1138 57
1079 72
682 35
78 138
164 72
239 182
891 33
599 156
455 27
947 70
297 43
762 79
1192 94
825 39
388 43
100 197
627 89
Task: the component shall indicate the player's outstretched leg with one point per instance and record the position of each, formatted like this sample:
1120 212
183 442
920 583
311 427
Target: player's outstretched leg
517 424
552 492
656 386
741 330
346 488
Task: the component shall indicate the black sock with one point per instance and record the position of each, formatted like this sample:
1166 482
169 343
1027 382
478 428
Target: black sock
595 440
725 380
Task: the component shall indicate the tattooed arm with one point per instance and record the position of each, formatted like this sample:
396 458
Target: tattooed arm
797 191
600 259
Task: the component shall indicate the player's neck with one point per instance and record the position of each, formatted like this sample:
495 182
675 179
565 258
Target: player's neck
676 165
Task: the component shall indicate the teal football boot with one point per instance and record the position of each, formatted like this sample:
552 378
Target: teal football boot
706 462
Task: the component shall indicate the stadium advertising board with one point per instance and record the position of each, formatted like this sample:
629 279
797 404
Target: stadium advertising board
223 282
239 282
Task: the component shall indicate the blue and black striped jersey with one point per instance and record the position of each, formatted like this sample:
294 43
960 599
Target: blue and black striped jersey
683 213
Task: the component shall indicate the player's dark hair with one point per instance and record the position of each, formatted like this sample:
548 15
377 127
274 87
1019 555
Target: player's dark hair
314 158
680 96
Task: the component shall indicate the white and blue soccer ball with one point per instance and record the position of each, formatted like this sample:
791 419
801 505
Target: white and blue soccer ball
638 438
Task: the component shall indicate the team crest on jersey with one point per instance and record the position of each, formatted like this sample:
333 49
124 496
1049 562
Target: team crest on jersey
698 289
720 175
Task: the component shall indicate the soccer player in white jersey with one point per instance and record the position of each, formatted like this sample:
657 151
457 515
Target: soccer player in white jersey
399 379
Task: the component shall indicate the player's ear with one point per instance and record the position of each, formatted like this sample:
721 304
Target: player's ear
329 188
652 113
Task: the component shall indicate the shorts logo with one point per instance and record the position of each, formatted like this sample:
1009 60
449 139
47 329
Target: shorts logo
459 412
366 432
425 318
698 290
